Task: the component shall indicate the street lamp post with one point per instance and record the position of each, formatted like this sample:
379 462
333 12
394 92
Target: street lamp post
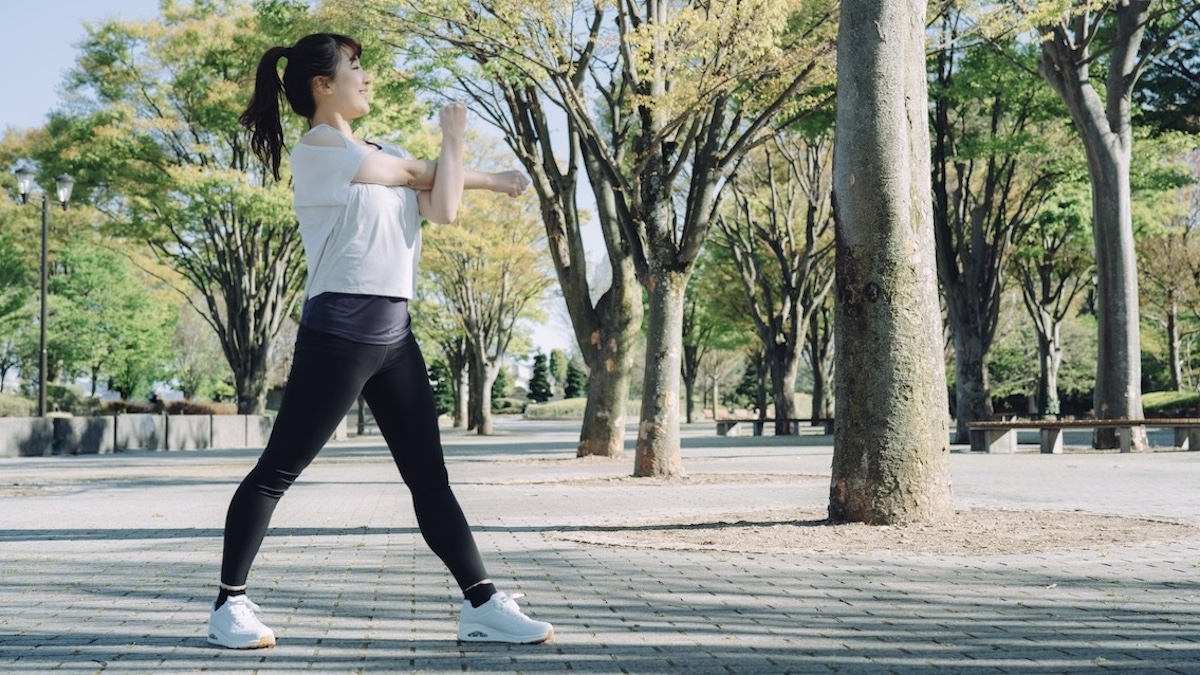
63 185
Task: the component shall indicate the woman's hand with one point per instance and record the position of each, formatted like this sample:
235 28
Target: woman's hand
511 183
453 119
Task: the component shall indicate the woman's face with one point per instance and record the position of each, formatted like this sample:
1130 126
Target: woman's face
346 93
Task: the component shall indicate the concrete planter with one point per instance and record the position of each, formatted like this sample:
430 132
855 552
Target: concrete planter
189 432
84 435
26 436
43 437
229 431
258 430
141 431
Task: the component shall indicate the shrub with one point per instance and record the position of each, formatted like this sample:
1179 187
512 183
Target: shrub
508 406
123 407
572 409
68 399
184 407
17 406
188 407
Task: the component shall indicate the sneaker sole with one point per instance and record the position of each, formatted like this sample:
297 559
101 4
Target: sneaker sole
265 642
509 639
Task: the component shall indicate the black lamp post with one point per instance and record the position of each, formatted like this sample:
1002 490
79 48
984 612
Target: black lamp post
63 185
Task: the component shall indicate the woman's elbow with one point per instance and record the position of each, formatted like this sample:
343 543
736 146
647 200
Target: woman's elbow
441 216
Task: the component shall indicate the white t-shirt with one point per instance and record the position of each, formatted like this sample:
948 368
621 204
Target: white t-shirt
358 237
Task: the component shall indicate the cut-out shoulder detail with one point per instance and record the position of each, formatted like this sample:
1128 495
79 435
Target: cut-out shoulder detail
325 136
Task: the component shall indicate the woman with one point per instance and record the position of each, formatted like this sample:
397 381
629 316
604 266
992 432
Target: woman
359 205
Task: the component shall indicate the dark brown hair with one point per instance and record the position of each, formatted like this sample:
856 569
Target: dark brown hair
316 55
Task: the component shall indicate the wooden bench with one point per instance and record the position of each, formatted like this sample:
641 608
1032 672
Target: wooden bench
734 427
1001 436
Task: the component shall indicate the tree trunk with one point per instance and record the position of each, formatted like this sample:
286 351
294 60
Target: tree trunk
609 354
782 363
483 375
658 430
820 340
1119 367
603 430
972 402
891 459
458 363
1106 128
250 377
691 367
462 389
1173 344
1049 362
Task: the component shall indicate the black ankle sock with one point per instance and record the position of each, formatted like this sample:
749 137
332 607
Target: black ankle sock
224 594
479 594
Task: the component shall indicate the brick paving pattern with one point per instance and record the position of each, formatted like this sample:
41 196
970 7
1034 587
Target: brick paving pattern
110 563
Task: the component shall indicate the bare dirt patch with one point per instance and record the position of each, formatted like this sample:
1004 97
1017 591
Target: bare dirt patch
971 532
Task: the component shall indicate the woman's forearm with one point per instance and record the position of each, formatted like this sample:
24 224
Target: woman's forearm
472 180
448 180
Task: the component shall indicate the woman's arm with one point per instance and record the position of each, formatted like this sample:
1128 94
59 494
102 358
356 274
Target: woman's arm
381 168
440 203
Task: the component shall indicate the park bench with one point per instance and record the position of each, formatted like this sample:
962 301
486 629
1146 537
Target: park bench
734 427
1000 436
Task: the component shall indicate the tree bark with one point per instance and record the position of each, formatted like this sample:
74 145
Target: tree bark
458 362
1049 362
820 360
891 459
658 431
1106 128
607 331
483 375
972 401
1173 344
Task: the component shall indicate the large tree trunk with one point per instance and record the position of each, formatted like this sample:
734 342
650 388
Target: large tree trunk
606 332
483 375
1106 128
1119 367
891 459
782 362
609 355
658 431
250 366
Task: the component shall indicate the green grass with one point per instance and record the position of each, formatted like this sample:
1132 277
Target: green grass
1158 403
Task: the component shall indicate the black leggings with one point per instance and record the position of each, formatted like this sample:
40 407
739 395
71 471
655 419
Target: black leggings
328 373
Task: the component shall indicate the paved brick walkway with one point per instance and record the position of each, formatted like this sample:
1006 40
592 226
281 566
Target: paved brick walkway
109 563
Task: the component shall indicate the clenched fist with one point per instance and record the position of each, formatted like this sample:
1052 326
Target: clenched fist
511 183
453 118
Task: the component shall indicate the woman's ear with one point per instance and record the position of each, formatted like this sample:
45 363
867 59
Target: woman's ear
322 84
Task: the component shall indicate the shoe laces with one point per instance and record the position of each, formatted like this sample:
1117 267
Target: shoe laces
508 604
244 611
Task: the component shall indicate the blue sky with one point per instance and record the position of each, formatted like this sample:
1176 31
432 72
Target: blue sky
39 47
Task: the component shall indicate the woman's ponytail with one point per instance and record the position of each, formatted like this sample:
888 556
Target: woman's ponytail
316 55
262 115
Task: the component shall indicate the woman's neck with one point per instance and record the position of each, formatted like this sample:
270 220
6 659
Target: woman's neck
335 120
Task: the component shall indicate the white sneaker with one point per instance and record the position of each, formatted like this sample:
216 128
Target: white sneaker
235 625
500 620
